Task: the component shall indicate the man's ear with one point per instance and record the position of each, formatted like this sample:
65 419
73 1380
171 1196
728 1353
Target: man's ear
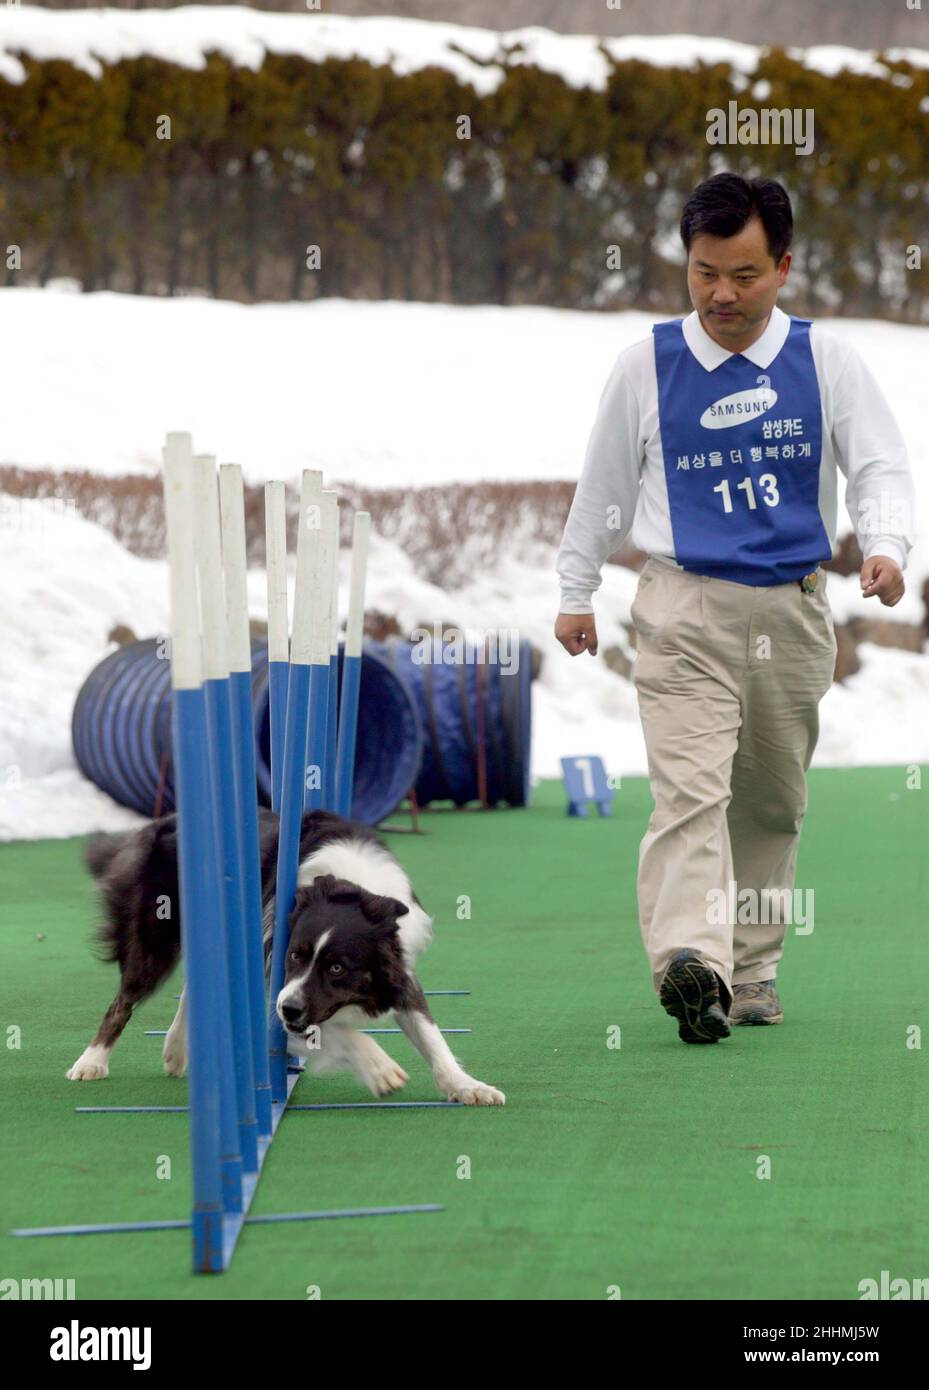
382 910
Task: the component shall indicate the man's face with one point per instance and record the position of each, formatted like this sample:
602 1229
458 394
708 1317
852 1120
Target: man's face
733 283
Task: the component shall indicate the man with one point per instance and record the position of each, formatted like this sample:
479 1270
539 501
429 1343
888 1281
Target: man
716 444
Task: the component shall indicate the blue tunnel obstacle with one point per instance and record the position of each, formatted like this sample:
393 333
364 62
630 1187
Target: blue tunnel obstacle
449 731
472 714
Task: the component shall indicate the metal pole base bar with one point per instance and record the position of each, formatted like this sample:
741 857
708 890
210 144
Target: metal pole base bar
226 1226
116 1228
291 1109
163 1032
232 1222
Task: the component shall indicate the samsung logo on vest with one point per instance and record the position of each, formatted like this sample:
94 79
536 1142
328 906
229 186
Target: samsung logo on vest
737 408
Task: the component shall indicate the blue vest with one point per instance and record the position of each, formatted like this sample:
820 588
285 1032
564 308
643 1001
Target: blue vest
742 451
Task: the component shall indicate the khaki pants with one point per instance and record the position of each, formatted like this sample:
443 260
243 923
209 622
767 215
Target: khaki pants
728 678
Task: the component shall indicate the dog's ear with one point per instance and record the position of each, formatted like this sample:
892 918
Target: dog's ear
302 899
391 981
382 911
161 837
323 883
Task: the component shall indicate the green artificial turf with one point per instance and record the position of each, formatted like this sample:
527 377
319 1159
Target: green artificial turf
633 1166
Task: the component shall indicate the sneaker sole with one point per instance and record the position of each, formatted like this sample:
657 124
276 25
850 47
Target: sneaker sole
756 1020
690 993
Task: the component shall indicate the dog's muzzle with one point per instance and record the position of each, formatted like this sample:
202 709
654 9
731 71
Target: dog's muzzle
293 1018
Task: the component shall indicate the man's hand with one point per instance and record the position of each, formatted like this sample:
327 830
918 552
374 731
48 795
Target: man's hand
882 576
577 632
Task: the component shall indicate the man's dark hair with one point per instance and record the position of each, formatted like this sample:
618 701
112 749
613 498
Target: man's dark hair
722 205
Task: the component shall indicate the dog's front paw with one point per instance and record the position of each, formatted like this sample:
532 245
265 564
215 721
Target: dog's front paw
174 1057
384 1076
92 1065
467 1091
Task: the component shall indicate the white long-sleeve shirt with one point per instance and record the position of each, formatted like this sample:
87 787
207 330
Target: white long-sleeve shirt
623 485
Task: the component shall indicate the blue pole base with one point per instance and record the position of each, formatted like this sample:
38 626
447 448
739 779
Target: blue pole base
248 1143
263 1109
233 1177
208 1240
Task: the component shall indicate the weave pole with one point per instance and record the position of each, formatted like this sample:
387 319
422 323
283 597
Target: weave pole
321 620
278 628
222 785
239 654
310 568
201 924
351 667
217 836
332 710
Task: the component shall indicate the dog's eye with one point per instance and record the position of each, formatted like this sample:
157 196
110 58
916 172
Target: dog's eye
335 969
295 957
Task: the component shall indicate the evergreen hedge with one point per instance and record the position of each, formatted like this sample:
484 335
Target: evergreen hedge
368 166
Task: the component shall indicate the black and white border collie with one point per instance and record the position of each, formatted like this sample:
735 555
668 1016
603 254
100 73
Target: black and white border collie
356 930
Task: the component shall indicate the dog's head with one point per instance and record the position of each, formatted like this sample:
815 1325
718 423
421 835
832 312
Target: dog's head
343 949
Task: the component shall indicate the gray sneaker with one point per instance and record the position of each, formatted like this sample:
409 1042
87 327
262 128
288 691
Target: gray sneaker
755 1003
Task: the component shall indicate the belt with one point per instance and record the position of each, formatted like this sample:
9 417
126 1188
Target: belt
807 583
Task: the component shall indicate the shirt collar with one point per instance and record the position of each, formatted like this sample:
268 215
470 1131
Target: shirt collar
762 351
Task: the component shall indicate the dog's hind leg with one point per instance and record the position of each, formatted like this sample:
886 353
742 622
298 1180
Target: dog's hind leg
174 1053
450 1077
93 1063
135 986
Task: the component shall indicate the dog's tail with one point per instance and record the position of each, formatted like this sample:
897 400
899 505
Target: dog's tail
99 852
131 869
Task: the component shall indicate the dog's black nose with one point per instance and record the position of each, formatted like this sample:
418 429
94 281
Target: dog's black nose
291 1013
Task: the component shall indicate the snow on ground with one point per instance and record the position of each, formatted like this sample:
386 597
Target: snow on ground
381 394
66 582
185 34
